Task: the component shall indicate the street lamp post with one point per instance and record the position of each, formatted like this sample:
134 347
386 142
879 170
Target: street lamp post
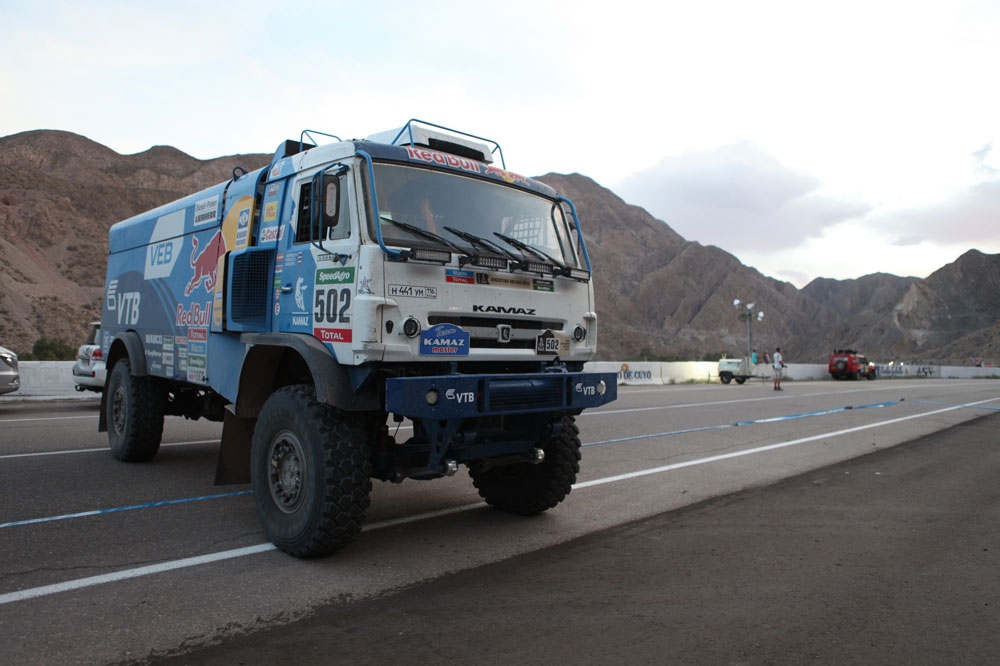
748 316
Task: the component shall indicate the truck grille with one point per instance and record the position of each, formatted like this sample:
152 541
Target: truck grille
483 330
516 395
251 287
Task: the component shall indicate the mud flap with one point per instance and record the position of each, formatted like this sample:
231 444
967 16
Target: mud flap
234 455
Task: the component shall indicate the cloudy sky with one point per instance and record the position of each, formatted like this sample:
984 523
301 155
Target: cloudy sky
809 140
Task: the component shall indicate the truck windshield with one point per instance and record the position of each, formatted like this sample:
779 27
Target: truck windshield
460 209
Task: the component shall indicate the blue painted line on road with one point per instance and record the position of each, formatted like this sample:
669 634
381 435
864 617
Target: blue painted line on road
119 509
774 419
151 505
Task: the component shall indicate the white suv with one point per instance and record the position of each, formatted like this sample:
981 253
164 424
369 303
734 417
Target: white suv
10 380
89 370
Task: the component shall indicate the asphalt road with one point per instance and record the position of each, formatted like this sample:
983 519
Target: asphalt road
105 562
890 558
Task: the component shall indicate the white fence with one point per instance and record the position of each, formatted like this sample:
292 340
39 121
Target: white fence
54 379
639 373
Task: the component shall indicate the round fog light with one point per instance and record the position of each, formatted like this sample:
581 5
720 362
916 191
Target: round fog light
579 333
411 327
431 397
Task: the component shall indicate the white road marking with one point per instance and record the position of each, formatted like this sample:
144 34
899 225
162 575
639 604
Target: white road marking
126 574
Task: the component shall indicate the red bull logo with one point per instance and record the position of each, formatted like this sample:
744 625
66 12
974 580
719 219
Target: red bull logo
205 262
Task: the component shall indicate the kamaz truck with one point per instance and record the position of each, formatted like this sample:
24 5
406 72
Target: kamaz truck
389 308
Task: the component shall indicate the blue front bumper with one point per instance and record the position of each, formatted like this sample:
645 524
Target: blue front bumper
468 396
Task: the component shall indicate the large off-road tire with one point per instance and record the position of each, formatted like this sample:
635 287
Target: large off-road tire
311 473
134 413
527 489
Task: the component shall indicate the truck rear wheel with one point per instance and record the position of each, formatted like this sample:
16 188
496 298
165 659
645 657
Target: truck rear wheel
135 407
311 473
529 489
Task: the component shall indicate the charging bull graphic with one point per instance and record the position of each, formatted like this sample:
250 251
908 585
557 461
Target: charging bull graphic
205 263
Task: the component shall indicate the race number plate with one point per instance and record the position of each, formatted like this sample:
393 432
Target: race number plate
551 343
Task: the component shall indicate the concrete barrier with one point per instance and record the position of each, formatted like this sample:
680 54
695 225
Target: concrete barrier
54 379
632 374
47 379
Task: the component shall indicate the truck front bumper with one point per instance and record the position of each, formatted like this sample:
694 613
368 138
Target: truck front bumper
468 396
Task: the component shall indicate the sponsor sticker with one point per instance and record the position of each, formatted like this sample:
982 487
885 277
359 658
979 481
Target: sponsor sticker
506 281
333 334
325 276
460 277
271 211
444 340
543 285
206 211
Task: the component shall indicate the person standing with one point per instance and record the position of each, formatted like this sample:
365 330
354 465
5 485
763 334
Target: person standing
778 362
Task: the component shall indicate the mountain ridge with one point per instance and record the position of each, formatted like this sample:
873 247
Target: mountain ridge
658 294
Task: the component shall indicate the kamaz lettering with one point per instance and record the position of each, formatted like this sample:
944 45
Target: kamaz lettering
314 304
500 309
450 342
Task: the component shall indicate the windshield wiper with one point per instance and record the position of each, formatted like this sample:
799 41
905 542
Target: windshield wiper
475 241
427 235
557 267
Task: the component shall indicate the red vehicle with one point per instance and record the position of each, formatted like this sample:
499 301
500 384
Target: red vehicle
849 364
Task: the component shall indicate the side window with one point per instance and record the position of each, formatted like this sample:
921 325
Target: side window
333 227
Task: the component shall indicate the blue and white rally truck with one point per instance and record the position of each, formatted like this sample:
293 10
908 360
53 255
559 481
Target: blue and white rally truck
315 305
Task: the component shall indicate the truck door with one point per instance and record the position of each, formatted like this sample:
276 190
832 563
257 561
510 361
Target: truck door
316 266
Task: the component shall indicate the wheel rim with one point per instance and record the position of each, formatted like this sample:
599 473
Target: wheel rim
285 457
118 407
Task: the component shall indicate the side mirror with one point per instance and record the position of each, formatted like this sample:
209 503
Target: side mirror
324 207
331 197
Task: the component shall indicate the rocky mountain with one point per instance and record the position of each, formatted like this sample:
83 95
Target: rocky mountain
658 295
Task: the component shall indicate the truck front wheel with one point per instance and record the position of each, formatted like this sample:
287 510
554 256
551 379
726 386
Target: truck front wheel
135 407
311 473
528 489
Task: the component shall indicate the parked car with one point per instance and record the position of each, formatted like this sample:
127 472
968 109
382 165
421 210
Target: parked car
89 371
10 379
849 364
